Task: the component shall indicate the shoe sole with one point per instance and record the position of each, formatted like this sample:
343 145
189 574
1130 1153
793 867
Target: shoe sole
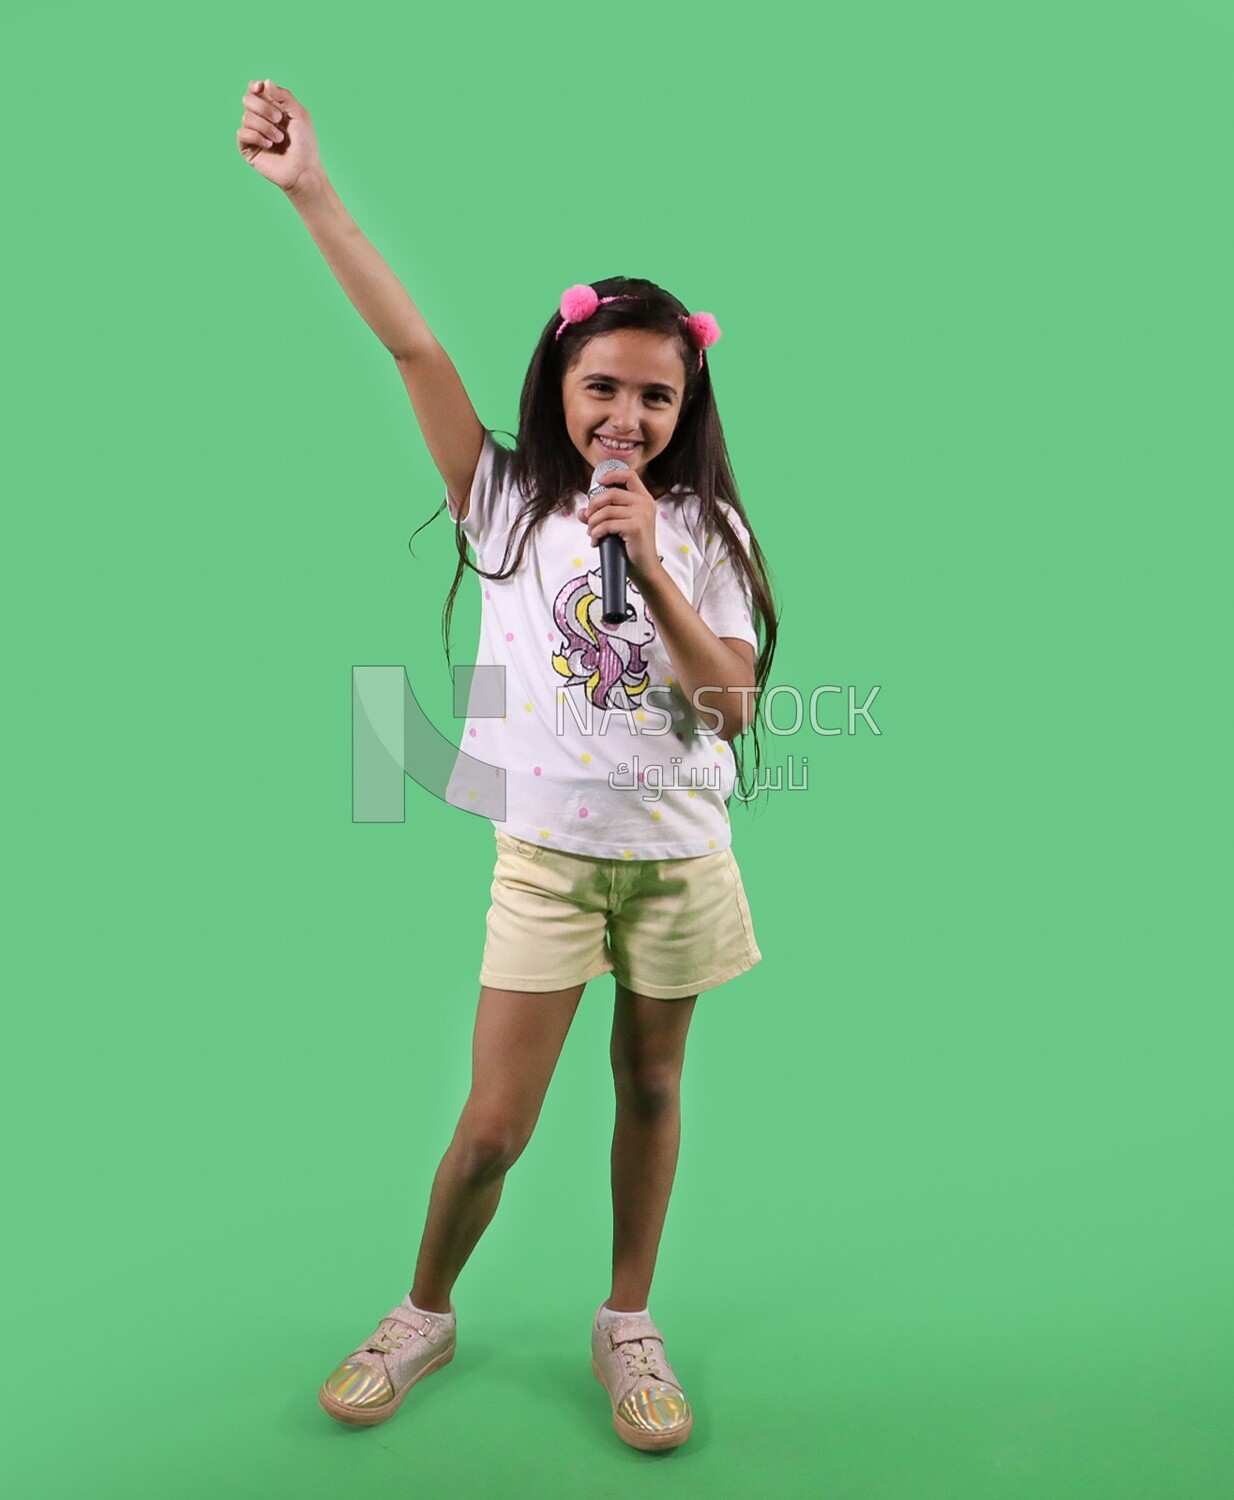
355 1416
637 1437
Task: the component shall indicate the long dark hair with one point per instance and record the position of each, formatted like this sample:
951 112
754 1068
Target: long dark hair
548 469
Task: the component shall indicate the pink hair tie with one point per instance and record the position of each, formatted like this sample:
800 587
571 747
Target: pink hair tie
703 330
578 302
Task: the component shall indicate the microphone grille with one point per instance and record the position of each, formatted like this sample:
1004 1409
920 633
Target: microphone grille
605 466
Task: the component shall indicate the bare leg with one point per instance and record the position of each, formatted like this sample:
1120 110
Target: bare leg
648 1049
517 1041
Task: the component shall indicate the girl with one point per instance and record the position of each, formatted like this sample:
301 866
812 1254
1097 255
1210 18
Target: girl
606 860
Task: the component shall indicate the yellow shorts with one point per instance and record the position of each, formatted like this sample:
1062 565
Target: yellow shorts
675 927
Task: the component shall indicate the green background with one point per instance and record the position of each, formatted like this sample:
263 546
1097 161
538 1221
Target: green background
952 1214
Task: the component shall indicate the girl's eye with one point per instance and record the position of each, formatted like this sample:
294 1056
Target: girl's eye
599 385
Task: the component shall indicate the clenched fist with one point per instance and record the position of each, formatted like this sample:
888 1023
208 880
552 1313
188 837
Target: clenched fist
276 134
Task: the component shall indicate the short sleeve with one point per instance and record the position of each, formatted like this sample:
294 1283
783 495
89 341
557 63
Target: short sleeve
725 604
490 491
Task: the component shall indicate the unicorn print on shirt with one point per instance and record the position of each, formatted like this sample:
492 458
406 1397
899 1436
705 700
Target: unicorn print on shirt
606 660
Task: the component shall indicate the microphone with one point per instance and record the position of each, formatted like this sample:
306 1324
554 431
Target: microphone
613 559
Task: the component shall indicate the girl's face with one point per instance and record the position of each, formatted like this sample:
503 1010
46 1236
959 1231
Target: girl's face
624 388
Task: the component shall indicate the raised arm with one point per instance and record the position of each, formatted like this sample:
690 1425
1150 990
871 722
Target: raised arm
277 139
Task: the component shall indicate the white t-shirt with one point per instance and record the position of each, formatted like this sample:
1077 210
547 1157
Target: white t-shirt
595 750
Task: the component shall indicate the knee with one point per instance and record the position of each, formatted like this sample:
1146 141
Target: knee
649 1091
487 1148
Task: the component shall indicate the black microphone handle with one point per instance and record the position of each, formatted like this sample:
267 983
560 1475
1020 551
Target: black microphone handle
613 559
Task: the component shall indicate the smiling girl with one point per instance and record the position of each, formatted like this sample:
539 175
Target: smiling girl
600 868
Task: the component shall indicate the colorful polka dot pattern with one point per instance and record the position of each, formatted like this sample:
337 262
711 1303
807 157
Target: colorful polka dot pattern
663 813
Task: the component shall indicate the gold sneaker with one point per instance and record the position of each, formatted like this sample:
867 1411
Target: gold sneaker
650 1410
369 1386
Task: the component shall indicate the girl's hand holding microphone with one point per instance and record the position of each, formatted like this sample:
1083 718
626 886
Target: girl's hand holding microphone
276 135
629 513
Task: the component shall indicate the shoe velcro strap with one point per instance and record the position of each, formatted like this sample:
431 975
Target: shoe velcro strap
427 1328
632 1328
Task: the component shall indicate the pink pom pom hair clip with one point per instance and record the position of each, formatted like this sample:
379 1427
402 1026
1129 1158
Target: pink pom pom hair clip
580 301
